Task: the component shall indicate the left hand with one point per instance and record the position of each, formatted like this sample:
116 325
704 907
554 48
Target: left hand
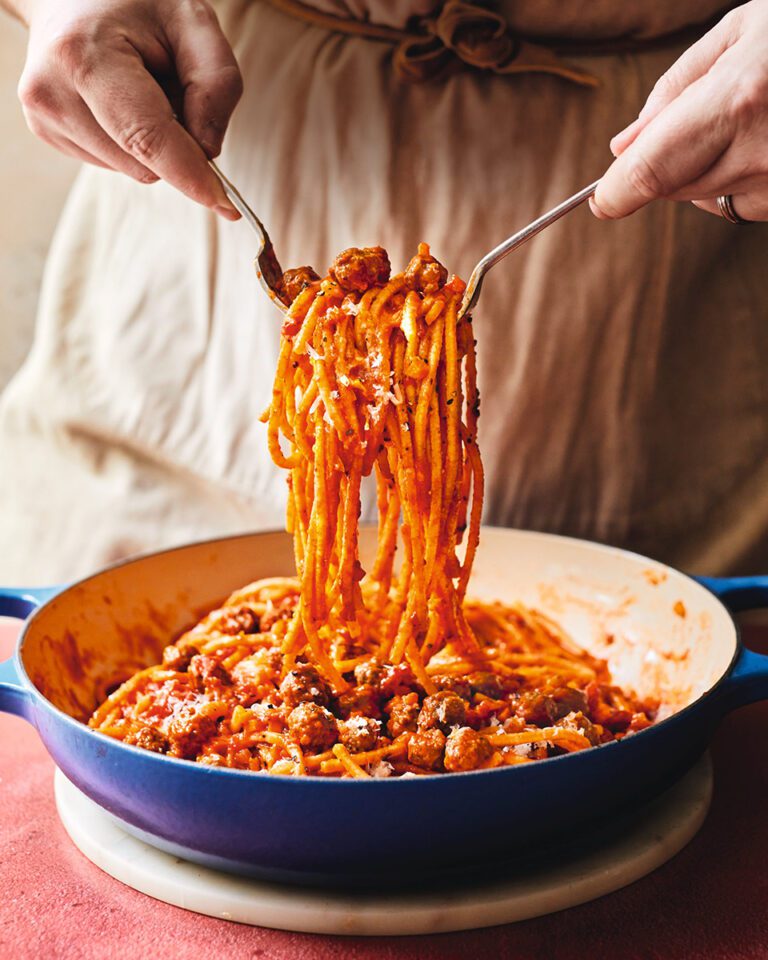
703 132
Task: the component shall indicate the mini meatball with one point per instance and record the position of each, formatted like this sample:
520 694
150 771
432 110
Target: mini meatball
178 658
279 611
359 733
458 685
254 675
397 680
188 732
489 684
369 672
295 280
304 685
403 713
206 672
544 707
425 273
363 700
425 749
238 620
148 739
442 710
313 727
581 724
360 269
466 749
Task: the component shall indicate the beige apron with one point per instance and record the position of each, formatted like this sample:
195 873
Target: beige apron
622 365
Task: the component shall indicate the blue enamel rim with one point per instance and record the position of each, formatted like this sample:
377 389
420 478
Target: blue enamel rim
39 597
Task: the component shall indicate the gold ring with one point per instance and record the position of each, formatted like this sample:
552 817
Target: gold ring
727 210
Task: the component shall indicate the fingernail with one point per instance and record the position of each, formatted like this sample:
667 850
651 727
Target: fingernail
211 138
229 213
596 209
618 141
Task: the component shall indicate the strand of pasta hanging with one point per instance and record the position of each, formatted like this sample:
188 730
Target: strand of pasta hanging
377 374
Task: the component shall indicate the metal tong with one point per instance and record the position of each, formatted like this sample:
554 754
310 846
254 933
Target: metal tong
270 274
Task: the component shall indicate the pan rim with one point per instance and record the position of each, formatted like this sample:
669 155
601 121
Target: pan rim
258 776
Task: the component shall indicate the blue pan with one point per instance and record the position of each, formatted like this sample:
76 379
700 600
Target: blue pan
663 633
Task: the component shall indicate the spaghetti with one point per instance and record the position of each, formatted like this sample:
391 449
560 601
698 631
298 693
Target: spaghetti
343 672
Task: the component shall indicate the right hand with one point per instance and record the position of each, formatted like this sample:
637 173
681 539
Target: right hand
103 78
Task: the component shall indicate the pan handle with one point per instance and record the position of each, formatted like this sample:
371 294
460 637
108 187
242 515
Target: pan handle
18 603
14 697
738 593
748 680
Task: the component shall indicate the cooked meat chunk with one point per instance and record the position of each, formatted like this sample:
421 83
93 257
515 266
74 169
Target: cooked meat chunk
359 733
148 739
295 280
577 721
206 672
425 749
397 680
426 274
177 658
466 749
458 685
363 700
238 620
403 713
551 702
360 269
442 710
369 672
304 685
188 732
313 727
489 684
280 611
253 676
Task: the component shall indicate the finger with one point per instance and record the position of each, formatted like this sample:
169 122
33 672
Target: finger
677 147
689 67
80 128
748 206
130 106
56 114
720 181
208 72
63 144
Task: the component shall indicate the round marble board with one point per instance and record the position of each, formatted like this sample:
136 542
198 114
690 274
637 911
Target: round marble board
650 838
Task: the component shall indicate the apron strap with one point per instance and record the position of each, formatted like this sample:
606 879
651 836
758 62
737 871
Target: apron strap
473 34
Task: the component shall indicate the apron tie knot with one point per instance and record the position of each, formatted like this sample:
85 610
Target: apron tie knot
466 34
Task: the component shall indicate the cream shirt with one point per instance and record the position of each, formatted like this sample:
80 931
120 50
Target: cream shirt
622 366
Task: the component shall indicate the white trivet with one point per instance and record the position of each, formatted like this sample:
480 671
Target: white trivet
651 838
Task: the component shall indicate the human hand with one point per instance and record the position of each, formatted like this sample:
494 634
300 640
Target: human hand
104 78
703 131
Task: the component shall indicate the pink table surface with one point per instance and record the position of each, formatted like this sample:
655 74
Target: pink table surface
711 901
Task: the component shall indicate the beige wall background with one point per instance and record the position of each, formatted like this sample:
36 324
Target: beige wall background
34 180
